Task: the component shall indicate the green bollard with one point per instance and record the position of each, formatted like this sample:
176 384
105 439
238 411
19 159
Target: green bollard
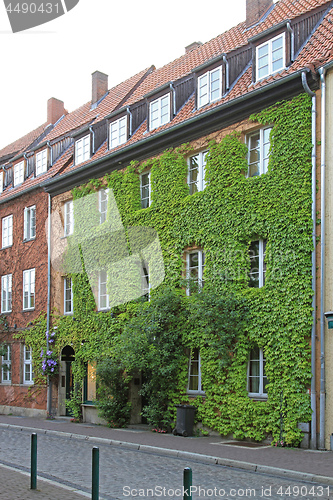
187 483
95 474
33 474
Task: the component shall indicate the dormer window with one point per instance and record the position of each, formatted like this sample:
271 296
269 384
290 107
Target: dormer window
118 132
1 181
41 162
210 87
18 173
82 149
159 112
270 57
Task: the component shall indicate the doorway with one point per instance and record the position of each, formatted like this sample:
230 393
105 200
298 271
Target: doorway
66 379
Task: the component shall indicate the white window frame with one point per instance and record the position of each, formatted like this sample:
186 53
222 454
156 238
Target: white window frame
200 267
103 198
206 92
68 301
261 271
192 360
261 394
82 149
18 173
41 162
102 293
6 375
1 181
29 227
199 184
7 231
118 132
68 218
28 376
263 151
6 293
29 298
145 200
270 55
160 119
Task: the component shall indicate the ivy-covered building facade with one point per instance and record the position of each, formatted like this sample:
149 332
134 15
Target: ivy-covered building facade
184 256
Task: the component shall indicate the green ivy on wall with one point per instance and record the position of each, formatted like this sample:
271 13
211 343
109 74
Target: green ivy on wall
222 220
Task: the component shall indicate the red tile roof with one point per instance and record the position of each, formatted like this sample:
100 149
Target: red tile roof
317 51
20 145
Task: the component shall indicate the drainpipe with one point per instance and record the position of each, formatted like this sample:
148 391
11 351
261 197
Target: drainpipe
225 60
49 381
292 42
91 130
130 121
51 152
322 262
173 98
313 439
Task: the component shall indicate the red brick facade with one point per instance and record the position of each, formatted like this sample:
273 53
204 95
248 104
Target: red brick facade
23 255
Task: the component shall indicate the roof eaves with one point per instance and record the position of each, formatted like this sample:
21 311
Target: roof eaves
272 29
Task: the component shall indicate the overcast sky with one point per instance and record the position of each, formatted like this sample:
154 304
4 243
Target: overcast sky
118 38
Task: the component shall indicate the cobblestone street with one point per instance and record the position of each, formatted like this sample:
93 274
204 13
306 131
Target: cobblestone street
126 473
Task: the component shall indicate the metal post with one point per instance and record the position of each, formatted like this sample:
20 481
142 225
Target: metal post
95 474
33 476
187 483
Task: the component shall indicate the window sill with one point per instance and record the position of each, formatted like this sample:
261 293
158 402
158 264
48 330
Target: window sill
29 239
258 397
8 246
28 310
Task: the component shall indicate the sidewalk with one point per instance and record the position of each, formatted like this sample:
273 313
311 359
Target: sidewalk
16 486
297 464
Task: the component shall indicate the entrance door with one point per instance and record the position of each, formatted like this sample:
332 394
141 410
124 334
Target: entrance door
66 379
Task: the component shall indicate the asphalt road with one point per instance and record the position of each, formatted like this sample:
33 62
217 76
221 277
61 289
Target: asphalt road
127 473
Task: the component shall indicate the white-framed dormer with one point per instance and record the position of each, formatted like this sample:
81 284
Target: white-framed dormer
1 180
160 111
271 56
82 149
41 162
118 132
209 86
18 173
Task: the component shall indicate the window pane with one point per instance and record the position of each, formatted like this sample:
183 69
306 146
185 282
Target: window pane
215 85
203 90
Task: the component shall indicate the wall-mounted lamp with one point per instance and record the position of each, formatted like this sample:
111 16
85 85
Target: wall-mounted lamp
329 317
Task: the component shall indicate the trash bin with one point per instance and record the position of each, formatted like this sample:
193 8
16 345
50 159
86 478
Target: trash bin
185 420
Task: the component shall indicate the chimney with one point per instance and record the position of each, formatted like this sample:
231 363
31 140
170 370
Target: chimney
255 9
192 46
55 110
99 86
